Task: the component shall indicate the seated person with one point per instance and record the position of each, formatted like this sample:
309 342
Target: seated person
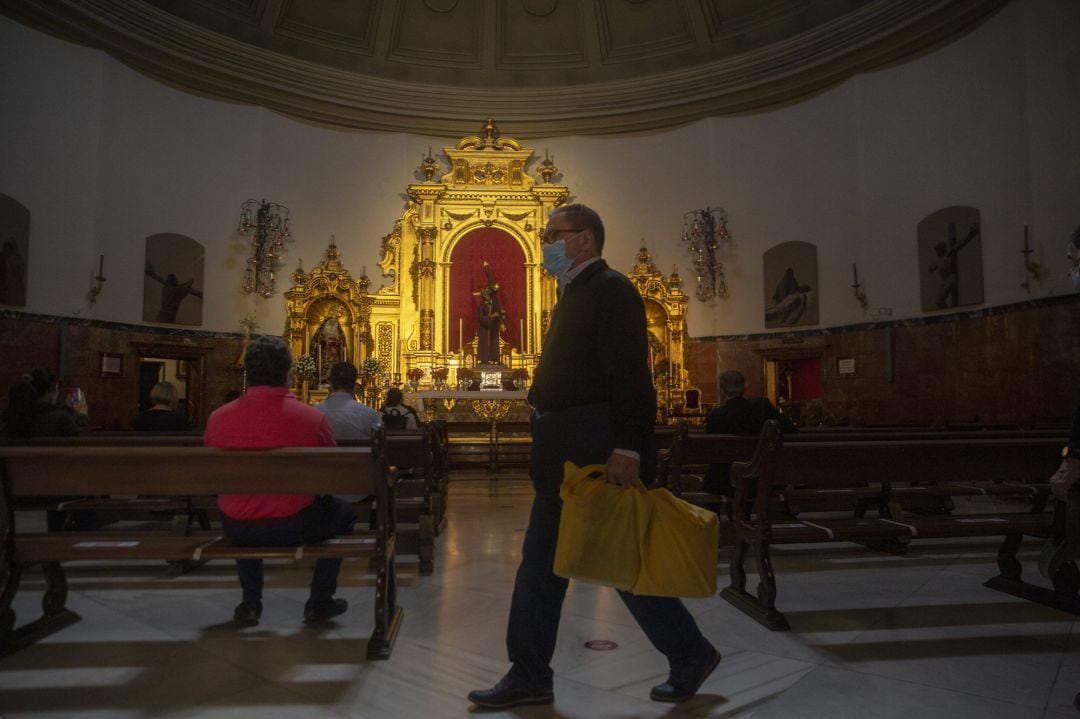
34 411
269 416
396 415
737 415
162 416
348 418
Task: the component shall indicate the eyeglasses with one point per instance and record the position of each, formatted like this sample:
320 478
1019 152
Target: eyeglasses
549 235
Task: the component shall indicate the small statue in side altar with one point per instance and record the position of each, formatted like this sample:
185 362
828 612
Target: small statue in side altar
329 347
490 317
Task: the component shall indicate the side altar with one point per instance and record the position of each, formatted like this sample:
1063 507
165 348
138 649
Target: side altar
465 294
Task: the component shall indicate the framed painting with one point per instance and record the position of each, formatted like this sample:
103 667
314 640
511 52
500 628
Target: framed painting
791 284
950 259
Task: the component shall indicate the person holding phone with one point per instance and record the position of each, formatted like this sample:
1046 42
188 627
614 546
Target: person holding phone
34 410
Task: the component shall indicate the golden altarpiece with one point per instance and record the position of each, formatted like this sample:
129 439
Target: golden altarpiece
486 208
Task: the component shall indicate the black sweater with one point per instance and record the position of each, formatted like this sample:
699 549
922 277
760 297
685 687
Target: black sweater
596 351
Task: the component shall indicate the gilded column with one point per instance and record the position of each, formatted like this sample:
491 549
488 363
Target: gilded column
426 277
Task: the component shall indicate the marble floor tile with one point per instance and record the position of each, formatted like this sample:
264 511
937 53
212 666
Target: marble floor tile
839 694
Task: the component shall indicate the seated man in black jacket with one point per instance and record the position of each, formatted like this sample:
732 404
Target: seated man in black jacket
737 415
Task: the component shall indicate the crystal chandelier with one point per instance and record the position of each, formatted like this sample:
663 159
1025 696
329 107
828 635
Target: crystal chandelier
268 223
703 232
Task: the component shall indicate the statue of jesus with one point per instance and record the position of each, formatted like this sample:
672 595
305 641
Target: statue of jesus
490 317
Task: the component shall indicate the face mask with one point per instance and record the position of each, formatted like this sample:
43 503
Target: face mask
555 259
1075 275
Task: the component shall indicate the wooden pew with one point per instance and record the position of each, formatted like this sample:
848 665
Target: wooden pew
692 451
412 453
404 448
441 481
846 468
178 472
491 445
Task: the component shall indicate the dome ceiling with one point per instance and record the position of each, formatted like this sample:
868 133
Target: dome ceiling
542 67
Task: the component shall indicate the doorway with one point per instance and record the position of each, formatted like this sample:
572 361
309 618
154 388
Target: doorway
183 367
791 382
153 370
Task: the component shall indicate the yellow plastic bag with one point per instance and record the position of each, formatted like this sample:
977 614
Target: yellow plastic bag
600 529
678 550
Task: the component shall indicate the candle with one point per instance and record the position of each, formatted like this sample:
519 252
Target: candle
1025 238
521 325
460 334
855 272
101 265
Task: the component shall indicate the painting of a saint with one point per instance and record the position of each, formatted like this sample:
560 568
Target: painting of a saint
15 236
790 271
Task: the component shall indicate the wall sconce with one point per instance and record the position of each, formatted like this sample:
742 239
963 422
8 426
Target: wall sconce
703 231
1032 269
97 283
859 294
269 224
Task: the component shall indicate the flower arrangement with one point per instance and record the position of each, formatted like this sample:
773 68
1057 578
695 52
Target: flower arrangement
414 374
521 373
304 369
440 373
370 367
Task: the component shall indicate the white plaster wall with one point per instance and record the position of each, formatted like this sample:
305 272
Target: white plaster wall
103 157
50 123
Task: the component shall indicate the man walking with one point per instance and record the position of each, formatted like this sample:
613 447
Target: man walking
594 404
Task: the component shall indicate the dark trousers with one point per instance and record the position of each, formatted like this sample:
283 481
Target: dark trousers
321 520
583 435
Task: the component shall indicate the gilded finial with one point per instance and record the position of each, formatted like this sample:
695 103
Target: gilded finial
547 168
429 166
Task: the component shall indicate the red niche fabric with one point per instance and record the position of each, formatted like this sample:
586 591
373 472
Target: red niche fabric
507 261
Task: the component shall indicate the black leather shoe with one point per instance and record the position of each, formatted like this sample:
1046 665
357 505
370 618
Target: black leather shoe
684 682
318 611
506 694
247 613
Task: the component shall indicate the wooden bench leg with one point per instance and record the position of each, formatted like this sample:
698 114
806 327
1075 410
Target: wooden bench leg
388 614
181 526
761 608
55 614
426 544
1064 596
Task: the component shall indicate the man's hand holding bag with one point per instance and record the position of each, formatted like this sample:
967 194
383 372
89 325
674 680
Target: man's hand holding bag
649 543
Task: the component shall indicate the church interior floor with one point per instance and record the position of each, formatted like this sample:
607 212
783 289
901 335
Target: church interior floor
873 635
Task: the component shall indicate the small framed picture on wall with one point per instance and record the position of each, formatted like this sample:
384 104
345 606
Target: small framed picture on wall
181 369
112 365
